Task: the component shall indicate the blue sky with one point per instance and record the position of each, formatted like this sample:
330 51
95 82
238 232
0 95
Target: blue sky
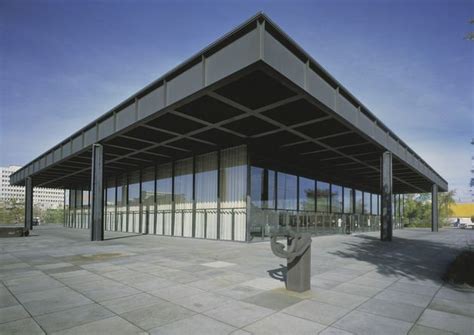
63 63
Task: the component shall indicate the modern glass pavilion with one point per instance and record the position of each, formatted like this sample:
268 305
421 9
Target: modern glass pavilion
248 135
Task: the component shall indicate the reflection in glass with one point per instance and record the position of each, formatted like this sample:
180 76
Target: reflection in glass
307 194
336 198
366 203
134 202
110 218
322 201
287 190
374 205
348 200
359 208
148 199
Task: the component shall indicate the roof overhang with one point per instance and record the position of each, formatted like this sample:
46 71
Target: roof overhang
254 86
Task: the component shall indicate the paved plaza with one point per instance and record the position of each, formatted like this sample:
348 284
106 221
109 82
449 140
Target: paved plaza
58 282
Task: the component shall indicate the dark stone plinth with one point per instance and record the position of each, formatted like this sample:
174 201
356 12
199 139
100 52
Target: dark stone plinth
13 232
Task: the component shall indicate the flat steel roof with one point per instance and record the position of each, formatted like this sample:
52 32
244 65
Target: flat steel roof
219 76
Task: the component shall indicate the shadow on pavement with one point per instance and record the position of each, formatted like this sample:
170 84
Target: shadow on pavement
415 259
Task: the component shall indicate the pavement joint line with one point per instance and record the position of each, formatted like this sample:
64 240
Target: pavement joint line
98 303
31 316
141 251
425 308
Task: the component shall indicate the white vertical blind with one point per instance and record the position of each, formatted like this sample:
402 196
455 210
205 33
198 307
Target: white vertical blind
183 197
233 188
163 199
206 195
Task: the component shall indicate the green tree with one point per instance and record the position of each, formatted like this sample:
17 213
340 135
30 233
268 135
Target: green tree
12 211
417 208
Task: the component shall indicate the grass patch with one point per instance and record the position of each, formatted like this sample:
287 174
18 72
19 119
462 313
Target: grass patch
461 271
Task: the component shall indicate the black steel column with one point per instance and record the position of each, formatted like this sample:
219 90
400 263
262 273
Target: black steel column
28 203
434 208
248 214
386 192
97 193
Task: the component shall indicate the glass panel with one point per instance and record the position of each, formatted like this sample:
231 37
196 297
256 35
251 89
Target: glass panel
78 210
72 206
366 203
122 204
66 207
206 196
263 187
374 204
306 194
348 200
336 198
134 202
233 189
148 199
287 190
258 186
322 201
358 202
164 189
110 219
85 208
183 197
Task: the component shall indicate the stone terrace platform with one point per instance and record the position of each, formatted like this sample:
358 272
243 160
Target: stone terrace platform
57 281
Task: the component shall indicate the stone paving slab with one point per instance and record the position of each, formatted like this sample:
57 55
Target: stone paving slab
362 323
281 323
157 315
23 326
73 317
165 285
196 325
114 325
238 313
447 321
12 313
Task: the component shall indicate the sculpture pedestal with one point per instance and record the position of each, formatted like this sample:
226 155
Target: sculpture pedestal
298 259
298 277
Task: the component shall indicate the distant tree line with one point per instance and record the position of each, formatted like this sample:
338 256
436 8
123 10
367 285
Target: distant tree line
417 210
13 212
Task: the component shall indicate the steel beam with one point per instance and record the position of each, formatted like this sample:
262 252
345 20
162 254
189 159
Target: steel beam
434 208
386 192
97 193
28 203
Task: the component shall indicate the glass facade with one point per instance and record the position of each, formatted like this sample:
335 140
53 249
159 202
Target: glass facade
337 199
323 199
147 197
348 200
233 193
121 204
359 208
306 194
164 199
287 190
110 202
133 203
262 187
206 196
367 205
183 197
